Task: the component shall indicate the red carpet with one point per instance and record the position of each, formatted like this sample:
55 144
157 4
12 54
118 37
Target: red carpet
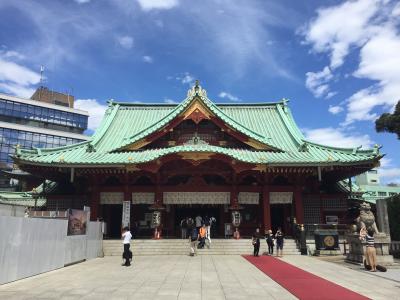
302 284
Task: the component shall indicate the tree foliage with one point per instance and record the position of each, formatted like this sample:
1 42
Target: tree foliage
389 122
393 207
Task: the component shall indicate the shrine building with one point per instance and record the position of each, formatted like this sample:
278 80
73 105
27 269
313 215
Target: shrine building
200 158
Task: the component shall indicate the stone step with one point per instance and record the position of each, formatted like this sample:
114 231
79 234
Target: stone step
198 252
181 247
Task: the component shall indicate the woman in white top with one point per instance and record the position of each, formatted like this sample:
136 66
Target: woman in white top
127 236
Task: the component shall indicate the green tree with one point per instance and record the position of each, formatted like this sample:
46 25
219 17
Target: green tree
393 207
389 122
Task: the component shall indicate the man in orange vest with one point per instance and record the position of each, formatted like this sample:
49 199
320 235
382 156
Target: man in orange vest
202 234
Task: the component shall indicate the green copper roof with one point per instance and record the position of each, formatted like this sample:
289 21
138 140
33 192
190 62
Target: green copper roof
21 198
152 121
370 193
271 124
79 155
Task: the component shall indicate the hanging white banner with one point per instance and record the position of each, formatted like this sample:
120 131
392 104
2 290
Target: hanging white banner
143 198
111 197
248 198
126 213
196 197
280 197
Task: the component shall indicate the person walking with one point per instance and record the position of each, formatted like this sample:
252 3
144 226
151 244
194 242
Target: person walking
202 235
207 223
269 237
189 225
127 255
193 238
183 225
199 221
279 237
256 242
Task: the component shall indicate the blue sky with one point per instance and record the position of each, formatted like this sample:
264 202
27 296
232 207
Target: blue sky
337 61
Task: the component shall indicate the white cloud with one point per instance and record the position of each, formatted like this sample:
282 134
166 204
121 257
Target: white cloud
317 82
147 5
125 41
228 96
370 27
237 35
337 137
339 27
186 78
96 111
82 1
15 78
170 101
381 64
335 109
147 59
12 55
52 43
385 162
388 172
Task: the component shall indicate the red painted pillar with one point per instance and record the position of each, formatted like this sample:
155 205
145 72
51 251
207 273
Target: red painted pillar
222 220
298 199
266 208
94 202
234 202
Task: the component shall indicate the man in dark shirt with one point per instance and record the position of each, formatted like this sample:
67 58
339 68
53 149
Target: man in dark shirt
256 242
279 241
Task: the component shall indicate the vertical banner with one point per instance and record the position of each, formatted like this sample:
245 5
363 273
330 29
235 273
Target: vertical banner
87 210
76 222
126 213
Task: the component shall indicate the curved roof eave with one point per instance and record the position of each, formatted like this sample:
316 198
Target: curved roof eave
132 158
192 95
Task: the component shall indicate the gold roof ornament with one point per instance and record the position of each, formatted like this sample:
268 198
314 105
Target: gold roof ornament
130 158
197 90
61 159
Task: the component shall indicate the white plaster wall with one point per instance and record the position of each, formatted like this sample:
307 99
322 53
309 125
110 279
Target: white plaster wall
94 240
12 210
75 249
30 246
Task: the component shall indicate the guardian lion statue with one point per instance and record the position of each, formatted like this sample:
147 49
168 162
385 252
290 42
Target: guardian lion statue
366 218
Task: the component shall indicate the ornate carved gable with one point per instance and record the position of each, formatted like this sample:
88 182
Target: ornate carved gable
199 110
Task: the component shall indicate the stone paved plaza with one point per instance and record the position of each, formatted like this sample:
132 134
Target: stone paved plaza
184 277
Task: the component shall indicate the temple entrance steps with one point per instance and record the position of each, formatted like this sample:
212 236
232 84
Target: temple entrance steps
181 247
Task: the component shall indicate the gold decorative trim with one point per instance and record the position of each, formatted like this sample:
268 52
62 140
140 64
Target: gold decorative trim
195 155
257 145
261 168
131 168
197 107
137 145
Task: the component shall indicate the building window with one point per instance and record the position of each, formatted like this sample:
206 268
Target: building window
9 138
382 194
41 114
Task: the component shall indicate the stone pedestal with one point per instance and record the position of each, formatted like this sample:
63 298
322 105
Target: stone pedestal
382 214
357 249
